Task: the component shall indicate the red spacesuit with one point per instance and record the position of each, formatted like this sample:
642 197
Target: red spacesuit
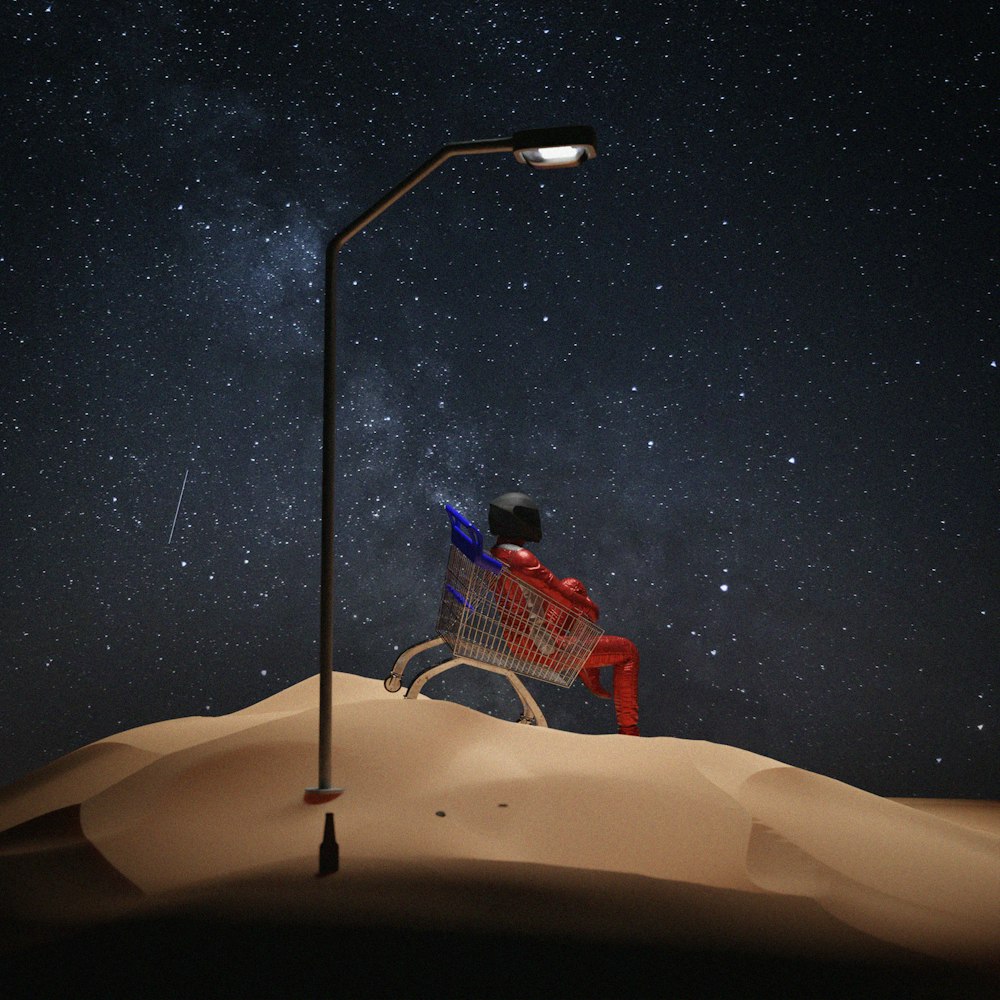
610 651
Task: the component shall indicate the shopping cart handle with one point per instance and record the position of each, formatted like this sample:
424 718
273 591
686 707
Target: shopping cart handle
468 539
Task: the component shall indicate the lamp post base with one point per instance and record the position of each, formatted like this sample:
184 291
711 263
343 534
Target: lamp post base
317 796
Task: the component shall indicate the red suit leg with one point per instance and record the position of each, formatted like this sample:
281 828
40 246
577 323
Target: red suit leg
614 651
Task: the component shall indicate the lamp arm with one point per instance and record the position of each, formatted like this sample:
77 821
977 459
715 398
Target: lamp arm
446 152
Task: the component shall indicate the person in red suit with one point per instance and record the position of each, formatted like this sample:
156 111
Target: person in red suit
516 519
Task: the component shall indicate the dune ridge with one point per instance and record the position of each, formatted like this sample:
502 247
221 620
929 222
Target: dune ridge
452 816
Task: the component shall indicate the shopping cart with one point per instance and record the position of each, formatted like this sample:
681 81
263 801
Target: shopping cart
491 620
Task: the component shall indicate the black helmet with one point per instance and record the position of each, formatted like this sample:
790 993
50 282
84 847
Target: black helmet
516 515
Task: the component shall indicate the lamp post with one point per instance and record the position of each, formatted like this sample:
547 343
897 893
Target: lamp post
547 148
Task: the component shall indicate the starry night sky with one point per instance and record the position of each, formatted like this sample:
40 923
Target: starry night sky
746 359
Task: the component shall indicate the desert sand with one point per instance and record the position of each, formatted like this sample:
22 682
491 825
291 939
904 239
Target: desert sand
479 858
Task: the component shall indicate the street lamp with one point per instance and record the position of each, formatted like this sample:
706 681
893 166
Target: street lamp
543 149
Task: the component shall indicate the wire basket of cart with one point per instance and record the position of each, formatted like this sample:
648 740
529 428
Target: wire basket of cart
491 620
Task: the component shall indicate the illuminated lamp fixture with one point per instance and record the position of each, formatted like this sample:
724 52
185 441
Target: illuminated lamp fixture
545 148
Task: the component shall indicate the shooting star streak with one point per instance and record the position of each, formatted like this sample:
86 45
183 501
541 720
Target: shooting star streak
176 512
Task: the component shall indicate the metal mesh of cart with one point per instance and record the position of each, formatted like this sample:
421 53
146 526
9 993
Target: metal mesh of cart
495 617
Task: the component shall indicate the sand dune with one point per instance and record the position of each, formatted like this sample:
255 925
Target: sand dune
457 821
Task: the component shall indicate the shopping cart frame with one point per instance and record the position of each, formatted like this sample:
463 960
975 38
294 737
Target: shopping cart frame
473 579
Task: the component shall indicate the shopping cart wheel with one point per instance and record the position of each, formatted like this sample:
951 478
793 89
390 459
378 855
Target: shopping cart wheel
393 683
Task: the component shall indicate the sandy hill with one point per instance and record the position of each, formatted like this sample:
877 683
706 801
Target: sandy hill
479 858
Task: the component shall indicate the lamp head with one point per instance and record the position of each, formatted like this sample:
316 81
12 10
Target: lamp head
564 146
